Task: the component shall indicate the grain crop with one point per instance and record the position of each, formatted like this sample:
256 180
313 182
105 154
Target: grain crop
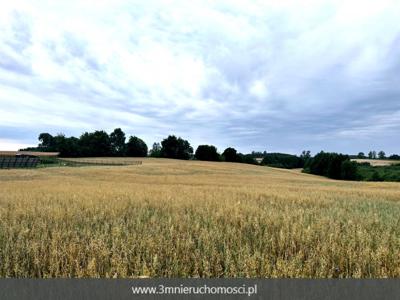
169 218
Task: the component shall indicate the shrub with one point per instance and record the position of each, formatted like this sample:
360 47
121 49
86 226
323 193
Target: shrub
376 176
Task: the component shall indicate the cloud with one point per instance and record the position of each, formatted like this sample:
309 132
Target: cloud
11 145
280 76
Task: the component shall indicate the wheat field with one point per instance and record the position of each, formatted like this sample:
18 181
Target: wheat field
377 162
169 218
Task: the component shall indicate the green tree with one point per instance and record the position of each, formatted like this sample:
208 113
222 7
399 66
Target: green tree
117 139
382 155
372 155
329 165
394 157
207 152
306 154
95 144
230 155
173 147
136 147
258 154
361 155
376 176
305 158
46 141
283 160
349 170
155 150
67 147
247 159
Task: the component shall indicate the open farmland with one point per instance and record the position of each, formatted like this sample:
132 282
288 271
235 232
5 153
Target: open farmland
377 162
169 218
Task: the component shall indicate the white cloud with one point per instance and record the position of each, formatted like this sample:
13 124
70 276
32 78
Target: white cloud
12 145
195 67
259 89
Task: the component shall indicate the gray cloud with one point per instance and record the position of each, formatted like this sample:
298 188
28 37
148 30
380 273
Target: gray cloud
251 74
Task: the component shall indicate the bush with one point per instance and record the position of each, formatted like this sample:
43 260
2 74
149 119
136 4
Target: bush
376 177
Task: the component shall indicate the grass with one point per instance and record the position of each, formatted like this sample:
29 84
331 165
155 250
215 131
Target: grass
168 218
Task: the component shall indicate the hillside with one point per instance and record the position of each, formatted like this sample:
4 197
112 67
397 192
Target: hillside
195 219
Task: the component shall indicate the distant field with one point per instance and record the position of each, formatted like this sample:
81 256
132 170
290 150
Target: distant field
169 218
99 161
378 162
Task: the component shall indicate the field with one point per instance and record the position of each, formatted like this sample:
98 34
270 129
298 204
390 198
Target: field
168 218
377 162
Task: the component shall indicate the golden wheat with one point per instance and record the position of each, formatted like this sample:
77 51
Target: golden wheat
169 218
377 162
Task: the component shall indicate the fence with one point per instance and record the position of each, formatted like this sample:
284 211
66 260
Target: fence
99 162
11 162
18 162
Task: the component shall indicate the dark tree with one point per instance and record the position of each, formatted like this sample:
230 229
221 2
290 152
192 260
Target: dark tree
206 152
334 170
230 155
68 147
382 155
155 150
95 144
372 155
247 159
258 154
319 164
117 139
332 165
173 147
394 157
46 141
306 154
283 160
376 176
136 147
305 158
361 155
349 170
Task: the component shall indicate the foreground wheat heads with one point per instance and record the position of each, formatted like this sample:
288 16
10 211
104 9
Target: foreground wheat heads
169 218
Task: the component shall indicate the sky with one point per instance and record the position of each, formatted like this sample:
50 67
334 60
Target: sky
280 76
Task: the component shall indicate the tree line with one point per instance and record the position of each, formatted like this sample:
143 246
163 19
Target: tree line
92 144
332 165
102 144
380 155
